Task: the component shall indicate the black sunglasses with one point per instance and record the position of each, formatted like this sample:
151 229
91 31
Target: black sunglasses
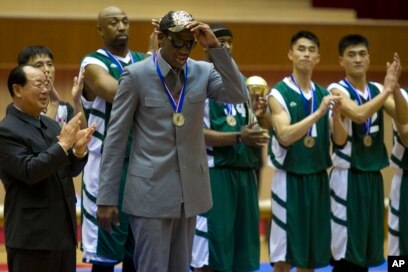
179 43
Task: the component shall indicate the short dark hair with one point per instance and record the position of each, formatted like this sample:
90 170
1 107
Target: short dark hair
307 35
32 51
351 39
16 76
220 30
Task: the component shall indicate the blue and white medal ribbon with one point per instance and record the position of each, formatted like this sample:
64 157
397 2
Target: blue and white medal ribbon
178 117
367 140
116 61
231 121
308 141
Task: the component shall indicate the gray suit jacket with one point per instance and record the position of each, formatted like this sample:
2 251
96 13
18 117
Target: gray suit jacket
168 164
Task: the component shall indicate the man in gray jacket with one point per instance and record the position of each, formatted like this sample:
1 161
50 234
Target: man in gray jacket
161 99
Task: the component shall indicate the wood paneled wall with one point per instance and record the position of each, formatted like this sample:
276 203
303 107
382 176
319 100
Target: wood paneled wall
259 48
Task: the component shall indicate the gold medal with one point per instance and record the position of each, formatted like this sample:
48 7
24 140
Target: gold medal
367 141
231 121
309 141
178 119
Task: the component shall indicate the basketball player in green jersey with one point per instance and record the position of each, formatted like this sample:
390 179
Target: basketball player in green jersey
227 236
300 144
398 204
102 70
357 193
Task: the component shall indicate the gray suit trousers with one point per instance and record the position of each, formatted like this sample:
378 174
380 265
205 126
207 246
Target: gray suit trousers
163 245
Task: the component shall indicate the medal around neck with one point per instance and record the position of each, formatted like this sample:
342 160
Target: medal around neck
178 119
231 121
367 140
309 141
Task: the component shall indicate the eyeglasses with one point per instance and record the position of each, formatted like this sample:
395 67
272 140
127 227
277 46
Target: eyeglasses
179 43
42 85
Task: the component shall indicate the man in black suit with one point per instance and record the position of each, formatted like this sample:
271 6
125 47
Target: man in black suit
38 159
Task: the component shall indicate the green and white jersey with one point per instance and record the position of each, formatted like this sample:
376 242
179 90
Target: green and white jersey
297 158
98 111
354 154
399 154
94 244
239 155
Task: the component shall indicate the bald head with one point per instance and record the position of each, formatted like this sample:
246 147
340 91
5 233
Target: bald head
113 26
109 12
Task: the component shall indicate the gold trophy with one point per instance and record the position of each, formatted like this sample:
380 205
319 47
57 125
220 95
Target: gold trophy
257 86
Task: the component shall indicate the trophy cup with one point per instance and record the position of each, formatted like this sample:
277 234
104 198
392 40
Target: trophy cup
257 87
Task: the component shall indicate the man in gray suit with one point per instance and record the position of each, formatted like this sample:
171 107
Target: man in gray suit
162 100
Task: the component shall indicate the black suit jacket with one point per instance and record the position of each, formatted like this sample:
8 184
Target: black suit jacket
39 206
